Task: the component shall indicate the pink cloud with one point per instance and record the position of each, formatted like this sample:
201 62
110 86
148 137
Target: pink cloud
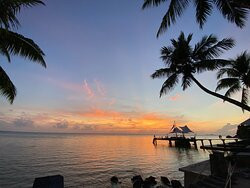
175 97
100 88
87 89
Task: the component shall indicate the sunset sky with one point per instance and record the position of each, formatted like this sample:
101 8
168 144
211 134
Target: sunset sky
100 55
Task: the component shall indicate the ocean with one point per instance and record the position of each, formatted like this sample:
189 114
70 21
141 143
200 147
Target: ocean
88 160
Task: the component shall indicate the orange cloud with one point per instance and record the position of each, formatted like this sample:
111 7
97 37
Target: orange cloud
155 121
118 120
99 113
104 120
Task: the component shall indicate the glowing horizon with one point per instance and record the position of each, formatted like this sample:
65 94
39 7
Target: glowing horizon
98 78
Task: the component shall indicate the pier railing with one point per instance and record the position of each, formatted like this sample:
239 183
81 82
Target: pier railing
212 145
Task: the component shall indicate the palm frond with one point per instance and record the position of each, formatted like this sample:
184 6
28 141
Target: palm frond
5 53
174 43
242 62
9 9
247 79
7 88
230 72
189 38
218 48
186 82
235 88
169 84
176 8
243 3
227 83
149 3
16 44
161 73
166 54
209 65
205 43
233 12
203 9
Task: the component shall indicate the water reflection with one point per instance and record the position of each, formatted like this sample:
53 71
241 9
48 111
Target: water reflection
88 159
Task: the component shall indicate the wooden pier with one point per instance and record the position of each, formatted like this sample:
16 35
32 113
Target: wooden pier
186 142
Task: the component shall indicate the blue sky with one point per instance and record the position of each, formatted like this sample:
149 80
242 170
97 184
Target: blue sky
100 55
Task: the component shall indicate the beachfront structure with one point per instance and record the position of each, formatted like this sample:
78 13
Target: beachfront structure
176 130
243 130
221 170
180 141
185 129
228 166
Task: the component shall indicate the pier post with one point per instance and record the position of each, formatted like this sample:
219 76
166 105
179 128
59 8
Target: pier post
210 141
223 141
170 143
202 143
195 144
155 141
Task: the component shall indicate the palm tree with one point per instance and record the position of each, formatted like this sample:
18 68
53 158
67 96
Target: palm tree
238 77
12 43
10 8
234 11
182 62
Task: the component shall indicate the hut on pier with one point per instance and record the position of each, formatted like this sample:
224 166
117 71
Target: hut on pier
181 141
176 130
185 129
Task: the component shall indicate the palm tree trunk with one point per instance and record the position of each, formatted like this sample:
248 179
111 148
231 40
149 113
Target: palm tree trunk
243 3
232 101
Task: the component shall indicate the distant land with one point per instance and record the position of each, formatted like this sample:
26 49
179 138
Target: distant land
228 129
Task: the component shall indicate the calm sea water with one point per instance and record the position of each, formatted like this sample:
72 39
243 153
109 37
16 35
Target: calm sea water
88 160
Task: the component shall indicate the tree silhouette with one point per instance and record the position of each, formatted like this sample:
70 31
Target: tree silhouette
234 11
237 72
12 43
182 62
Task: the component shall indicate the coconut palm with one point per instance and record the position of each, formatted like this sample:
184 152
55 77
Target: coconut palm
10 8
237 72
234 11
182 62
12 43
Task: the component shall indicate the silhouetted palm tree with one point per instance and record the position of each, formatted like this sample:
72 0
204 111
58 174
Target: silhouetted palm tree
182 62
234 11
12 43
10 8
238 77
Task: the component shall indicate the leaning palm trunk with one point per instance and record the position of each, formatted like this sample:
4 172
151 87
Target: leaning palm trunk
232 101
